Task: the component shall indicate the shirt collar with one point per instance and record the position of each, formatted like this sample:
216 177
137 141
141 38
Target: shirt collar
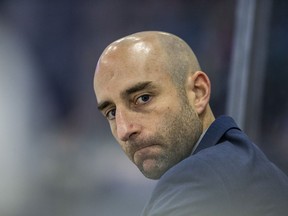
197 143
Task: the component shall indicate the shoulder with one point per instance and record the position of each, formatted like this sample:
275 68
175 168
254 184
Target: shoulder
220 180
190 188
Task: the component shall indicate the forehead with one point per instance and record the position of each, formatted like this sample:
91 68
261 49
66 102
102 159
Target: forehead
121 67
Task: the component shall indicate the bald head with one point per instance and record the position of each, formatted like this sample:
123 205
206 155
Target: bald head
150 88
151 46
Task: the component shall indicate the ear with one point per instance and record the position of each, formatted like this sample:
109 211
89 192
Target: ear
198 91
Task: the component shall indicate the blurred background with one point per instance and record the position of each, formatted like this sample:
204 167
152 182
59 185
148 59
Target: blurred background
57 154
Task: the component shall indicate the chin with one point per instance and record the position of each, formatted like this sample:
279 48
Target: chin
153 174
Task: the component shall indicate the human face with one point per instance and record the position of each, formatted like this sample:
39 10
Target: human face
154 125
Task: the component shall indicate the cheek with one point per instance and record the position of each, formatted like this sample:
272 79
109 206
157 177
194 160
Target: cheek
113 130
123 145
168 111
126 150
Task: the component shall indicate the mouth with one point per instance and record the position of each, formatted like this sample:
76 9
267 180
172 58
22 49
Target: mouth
144 153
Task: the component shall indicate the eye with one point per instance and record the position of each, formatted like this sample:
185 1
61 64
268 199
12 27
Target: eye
143 99
110 115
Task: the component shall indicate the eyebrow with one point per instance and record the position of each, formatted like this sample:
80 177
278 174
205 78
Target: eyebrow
135 88
103 105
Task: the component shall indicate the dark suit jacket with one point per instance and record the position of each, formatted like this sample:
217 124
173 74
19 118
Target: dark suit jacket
226 175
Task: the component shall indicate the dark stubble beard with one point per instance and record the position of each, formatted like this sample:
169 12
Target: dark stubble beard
176 136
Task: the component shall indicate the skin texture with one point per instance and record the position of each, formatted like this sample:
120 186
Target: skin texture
150 88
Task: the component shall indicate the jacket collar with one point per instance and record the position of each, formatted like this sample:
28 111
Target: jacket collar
216 130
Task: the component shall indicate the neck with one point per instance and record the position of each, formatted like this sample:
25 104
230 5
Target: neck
207 118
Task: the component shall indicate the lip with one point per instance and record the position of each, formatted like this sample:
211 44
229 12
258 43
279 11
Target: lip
143 152
143 148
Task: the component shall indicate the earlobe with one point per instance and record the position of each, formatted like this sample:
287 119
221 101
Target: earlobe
199 90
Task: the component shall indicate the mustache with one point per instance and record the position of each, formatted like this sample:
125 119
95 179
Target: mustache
136 144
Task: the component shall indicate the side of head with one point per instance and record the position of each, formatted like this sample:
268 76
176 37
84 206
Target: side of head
150 88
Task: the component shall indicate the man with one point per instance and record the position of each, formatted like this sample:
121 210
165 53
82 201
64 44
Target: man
152 91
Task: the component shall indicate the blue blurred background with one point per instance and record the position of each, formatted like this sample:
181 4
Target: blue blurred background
57 154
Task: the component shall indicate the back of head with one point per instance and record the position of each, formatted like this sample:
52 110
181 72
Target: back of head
180 58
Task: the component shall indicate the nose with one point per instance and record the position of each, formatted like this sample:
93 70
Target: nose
126 125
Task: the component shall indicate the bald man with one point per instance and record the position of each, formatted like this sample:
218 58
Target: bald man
151 89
